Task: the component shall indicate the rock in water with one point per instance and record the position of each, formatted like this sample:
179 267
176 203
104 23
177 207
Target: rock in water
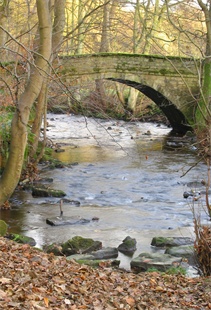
159 261
21 239
80 245
47 192
66 220
171 241
128 246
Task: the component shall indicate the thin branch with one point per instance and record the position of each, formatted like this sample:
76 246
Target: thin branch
193 166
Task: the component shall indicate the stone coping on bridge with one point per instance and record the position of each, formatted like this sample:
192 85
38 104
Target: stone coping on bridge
131 55
106 65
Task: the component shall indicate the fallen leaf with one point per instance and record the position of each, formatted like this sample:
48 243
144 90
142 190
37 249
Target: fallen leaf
67 301
46 301
130 301
5 280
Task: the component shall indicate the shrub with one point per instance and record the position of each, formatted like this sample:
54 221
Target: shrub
202 247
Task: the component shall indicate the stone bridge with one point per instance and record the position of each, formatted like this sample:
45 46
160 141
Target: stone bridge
171 82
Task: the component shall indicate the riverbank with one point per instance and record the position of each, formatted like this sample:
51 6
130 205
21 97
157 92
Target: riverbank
31 279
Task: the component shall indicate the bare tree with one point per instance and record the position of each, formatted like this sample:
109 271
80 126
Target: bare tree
19 131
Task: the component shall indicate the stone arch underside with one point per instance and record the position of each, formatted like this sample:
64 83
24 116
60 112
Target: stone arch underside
176 118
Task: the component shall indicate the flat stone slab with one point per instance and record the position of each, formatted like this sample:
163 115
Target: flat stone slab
86 260
66 220
186 251
102 254
161 262
105 253
171 241
81 257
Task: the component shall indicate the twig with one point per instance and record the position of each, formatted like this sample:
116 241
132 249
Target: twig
191 167
60 206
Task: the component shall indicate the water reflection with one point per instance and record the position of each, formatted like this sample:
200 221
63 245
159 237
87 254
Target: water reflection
82 154
15 218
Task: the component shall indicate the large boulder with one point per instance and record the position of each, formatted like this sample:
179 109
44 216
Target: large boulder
80 245
159 261
128 246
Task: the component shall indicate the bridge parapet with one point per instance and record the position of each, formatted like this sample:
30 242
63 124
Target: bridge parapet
128 63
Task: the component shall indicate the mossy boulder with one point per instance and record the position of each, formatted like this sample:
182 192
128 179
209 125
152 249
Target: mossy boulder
80 245
47 192
128 246
21 239
3 228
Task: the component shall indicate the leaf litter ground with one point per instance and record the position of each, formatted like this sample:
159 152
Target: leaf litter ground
31 279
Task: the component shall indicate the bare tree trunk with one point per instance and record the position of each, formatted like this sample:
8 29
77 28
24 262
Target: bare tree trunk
203 114
41 105
13 168
81 28
4 12
39 108
132 99
104 47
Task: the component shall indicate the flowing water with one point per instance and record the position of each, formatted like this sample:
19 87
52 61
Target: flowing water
129 175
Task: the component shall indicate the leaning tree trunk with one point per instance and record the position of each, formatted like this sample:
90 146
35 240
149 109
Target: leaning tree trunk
13 168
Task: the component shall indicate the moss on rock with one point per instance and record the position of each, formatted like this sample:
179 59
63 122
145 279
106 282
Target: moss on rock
80 245
21 239
3 228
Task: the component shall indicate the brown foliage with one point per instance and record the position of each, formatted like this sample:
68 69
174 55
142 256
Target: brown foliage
30 279
203 248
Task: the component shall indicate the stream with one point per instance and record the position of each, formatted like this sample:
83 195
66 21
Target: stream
128 174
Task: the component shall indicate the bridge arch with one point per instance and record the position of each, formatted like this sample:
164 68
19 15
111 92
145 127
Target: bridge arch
175 117
171 82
